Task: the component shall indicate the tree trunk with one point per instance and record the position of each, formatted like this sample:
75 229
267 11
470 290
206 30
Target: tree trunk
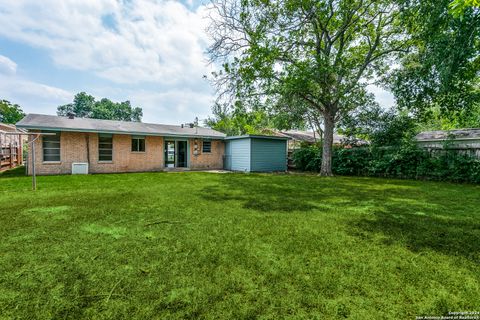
326 169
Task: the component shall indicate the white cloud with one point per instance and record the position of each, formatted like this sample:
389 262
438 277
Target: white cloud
7 66
150 52
383 97
37 96
175 106
129 42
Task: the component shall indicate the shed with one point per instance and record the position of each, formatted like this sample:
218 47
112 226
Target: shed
256 153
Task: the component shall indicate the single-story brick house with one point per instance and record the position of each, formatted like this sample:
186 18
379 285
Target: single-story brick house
120 146
82 145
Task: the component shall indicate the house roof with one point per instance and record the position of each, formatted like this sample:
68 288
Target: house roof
256 137
56 123
439 135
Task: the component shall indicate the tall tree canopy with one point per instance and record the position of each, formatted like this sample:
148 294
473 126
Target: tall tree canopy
10 113
439 78
241 121
458 7
316 55
85 106
238 121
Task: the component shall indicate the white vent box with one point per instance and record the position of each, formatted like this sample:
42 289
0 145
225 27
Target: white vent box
80 168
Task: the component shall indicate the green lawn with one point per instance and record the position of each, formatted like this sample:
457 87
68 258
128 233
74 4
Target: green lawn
236 246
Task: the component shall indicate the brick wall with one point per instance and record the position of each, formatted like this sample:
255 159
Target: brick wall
73 148
212 160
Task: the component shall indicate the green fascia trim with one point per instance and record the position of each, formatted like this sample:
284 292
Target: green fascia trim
256 137
120 132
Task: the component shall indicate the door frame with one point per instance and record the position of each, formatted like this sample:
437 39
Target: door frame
175 141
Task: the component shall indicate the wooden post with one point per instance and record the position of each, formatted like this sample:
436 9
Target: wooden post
19 151
11 155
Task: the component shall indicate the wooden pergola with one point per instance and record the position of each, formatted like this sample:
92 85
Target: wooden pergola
10 148
33 136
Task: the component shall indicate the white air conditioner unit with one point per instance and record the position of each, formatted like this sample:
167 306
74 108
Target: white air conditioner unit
80 168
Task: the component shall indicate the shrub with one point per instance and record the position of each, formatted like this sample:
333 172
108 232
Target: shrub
308 158
405 161
354 161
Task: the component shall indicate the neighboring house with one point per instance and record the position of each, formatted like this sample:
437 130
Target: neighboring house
82 145
465 141
11 151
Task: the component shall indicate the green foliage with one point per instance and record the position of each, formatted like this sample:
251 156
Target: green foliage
351 161
441 70
241 121
458 7
236 246
378 126
10 113
435 118
406 161
85 106
308 158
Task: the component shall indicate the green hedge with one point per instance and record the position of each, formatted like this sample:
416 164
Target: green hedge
407 161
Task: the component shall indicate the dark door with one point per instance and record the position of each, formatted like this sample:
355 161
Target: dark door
181 154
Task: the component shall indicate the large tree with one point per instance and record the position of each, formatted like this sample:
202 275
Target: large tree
258 121
320 52
439 77
379 126
10 113
85 106
458 7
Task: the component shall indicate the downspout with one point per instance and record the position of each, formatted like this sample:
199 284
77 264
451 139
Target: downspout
87 143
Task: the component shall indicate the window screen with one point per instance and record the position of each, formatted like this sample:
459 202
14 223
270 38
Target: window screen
51 147
105 147
207 146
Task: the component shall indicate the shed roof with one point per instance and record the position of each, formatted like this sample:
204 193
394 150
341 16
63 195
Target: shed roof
48 122
458 134
256 137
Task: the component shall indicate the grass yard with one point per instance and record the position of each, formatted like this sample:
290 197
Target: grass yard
236 246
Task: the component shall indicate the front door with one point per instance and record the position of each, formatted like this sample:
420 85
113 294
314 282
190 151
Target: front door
175 154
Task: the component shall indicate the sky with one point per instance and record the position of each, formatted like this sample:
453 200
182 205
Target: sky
149 52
